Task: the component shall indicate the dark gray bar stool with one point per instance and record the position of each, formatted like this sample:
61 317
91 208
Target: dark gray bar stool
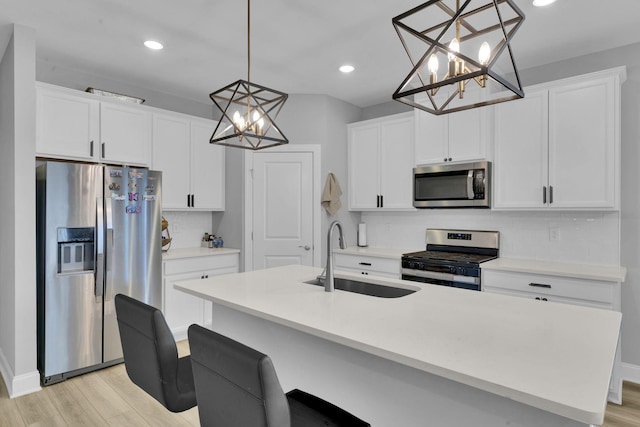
151 355
237 386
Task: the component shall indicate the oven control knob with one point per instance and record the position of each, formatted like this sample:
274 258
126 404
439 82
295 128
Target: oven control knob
461 271
452 269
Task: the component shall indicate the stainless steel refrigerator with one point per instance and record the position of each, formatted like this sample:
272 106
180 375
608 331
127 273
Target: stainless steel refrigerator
98 234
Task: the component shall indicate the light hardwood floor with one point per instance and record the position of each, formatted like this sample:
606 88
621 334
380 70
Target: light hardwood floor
109 398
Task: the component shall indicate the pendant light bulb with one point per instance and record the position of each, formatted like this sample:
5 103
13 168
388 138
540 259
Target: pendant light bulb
454 46
484 54
432 65
238 120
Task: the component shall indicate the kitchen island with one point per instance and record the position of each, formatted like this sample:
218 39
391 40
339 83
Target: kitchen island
437 357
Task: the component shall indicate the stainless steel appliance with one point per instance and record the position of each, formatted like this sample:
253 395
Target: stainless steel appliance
461 185
452 258
98 234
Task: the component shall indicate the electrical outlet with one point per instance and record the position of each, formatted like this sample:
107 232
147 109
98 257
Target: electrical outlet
554 234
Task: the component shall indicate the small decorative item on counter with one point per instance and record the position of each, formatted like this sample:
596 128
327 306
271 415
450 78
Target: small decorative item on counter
166 236
217 242
205 240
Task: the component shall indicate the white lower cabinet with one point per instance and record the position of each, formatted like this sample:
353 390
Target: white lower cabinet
591 293
365 265
181 309
569 290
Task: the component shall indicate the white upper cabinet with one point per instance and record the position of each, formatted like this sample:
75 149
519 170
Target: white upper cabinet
381 160
171 148
453 137
125 134
79 126
559 147
207 167
193 170
583 144
66 125
520 167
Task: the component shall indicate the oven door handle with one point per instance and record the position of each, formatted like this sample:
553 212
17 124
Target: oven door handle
440 276
470 192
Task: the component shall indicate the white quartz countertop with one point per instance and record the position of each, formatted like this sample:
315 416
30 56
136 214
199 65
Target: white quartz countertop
180 253
582 271
555 357
375 251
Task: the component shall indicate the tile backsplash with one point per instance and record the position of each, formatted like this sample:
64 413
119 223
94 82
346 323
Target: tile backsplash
187 228
581 237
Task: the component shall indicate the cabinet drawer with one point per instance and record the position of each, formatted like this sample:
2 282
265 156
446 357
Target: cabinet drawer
552 298
546 285
369 264
188 265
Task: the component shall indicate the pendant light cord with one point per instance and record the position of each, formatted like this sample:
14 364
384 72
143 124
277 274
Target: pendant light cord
249 59
249 40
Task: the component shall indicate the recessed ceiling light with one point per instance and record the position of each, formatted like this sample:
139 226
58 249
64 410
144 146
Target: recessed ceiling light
154 45
346 68
540 3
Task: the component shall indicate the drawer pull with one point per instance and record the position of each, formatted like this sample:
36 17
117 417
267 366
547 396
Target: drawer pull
540 285
365 263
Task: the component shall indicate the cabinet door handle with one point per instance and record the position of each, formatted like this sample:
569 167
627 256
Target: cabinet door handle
382 201
103 149
544 195
188 200
91 149
550 194
193 201
539 285
365 263
377 201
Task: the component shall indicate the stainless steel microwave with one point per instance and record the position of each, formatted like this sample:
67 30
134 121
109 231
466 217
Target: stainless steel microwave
461 185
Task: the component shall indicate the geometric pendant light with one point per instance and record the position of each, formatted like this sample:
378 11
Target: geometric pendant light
248 110
461 54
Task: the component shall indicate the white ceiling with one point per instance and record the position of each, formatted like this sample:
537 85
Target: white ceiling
296 45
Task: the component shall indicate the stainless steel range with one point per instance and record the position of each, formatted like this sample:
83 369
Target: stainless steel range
452 258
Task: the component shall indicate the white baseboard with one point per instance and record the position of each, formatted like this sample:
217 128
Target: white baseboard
21 384
629 372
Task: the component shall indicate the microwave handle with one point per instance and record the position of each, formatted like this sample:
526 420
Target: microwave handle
470 193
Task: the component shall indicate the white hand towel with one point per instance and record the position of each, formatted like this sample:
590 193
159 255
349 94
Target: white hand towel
331 195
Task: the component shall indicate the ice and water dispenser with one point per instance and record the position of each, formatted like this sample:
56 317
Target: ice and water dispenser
76 250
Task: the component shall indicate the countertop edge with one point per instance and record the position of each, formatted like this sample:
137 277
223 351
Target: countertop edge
553 268
196 252
374 251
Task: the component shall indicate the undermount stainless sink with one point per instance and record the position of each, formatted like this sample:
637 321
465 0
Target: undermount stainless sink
365 288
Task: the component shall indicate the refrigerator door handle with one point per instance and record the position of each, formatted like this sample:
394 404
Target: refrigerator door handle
99 268
109 245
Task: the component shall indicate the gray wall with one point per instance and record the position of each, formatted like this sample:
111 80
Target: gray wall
17 216
385 109
78 79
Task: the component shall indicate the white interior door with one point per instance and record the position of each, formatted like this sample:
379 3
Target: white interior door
283 209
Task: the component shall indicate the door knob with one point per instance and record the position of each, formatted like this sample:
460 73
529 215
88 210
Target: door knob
306 247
